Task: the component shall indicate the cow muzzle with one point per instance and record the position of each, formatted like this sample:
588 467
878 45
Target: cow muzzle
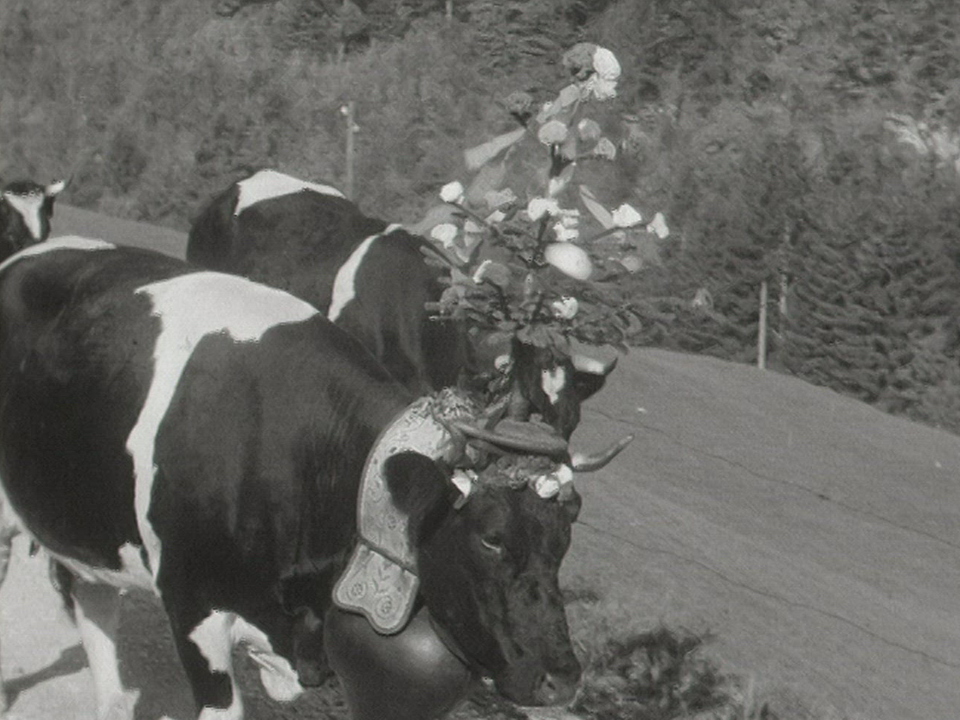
557 688
543 688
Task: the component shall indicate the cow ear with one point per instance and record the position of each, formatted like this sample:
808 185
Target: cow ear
590 375
587 384
418 488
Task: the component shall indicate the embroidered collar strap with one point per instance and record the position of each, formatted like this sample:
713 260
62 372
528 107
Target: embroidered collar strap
380 580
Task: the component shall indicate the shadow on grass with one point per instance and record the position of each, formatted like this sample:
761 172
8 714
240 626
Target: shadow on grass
71 660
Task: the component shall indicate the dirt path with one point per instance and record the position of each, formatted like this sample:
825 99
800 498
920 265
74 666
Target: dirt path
815 537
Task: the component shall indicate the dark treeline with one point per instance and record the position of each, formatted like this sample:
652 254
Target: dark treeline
810 144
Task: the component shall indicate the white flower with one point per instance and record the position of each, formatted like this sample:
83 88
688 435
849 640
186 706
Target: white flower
605 149
538 207
552 132
452 192
659 226
632 263
566 308
445 234
602 84
547 486
556 185
496 217
598 87
626 216
566 233
589 130
569 259
606 64
481 271
493 273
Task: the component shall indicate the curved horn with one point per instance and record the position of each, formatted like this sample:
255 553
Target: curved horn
55 188
514 435
587 462
587 364
456 447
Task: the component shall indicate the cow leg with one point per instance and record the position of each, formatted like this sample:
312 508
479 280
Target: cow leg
97 613
7 533
204 644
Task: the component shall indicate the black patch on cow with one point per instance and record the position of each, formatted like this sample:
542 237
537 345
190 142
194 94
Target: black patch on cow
255 496
298 243
389 315
294 242
75 363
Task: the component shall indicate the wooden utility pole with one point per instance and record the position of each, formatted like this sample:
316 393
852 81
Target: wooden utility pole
762 328
449 10
348 112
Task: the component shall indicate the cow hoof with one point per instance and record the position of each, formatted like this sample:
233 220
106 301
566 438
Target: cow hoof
121 707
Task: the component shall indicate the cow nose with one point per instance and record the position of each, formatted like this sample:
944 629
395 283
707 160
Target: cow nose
556 689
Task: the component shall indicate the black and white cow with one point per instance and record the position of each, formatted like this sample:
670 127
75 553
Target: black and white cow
371 279
206 437
25 211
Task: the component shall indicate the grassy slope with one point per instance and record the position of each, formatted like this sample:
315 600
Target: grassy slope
815 536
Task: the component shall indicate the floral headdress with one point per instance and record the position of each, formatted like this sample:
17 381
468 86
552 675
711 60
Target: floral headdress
521 266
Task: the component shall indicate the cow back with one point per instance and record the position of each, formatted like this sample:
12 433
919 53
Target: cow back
370 279
72 386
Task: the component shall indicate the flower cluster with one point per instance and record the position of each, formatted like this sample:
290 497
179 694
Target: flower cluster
541 266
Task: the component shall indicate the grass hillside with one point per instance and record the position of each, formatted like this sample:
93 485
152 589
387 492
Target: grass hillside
813 537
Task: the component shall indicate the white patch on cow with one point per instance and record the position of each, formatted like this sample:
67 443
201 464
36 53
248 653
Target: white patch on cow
30 207
268 184
553 381
345 283
279 678
213 639
590 365
133 573
191 307
67 242
216 637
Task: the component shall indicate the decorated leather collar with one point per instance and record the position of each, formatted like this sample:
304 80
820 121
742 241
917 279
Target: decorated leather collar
380 580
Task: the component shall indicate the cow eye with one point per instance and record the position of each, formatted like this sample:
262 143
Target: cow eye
493 543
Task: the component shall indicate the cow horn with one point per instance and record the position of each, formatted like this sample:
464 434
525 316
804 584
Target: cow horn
515 435
587 364
456 447
587 462
55 188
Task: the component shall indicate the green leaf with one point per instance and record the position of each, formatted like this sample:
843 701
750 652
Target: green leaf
489 178
599 212
477 157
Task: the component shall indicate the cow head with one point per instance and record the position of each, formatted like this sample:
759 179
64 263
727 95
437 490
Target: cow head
488 553
553 385
472 511
25 211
